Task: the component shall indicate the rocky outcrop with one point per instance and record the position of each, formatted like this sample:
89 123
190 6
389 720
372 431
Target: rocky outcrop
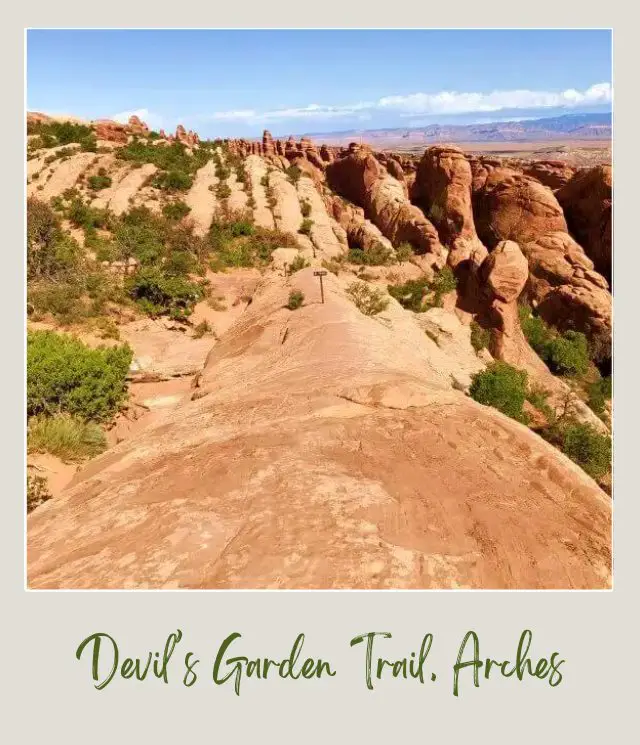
508 205
111 131
363 180
136 126
361 233
586 201
189 138
566 291
442 188
551 173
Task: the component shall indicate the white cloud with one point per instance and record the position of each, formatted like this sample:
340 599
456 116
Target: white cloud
445 102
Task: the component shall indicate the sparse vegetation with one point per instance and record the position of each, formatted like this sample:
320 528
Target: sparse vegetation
377 255
176 210
202 329
404 252
599 392
368 300
296 299
581 442
293 174
480 338
305 207
159 293
502 386
68 437
53 134
99 181
421 294
305 226
37 492
297 264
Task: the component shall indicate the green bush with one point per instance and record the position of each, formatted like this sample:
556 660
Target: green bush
296 299
51 253
293 173
158 294
368 300
98 182
480 338
297 264
586 447
305 226
305 207
175 211
52 134
68 437
404 252
503 387
376 255
565 354
568 354
599 393
173 180
64 375
421 294
173 157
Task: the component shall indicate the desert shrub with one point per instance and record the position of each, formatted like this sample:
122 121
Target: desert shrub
223 190
480 338
368 300
421 294
82 215
297 264
296 299
503 387
52 134
404 252
584 445
305 207
66 376
568 354
173 157
599 392
176 210
293 173
305 226
264 181
98 182
157 293
376 255
89 144
536 331
37 492
201 329
68 437
173 180
50 252
411 294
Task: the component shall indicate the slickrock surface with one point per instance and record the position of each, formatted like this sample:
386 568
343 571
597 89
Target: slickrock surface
63 175
325 449
202 199
128 187
256 169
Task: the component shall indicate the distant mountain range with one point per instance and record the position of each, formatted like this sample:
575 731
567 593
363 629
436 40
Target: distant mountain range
593 126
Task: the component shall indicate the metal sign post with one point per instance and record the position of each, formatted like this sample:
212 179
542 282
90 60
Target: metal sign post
321 274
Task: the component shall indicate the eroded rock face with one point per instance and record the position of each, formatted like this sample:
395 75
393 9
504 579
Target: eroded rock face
136 126
586 201
110 131
551 173
356 464
442 188
511 206
363 180
566 290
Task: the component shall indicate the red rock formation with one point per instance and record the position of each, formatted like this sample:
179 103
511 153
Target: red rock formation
551 173
267 143
566 290
136 126
359 177
586 201
511 206
106 129
442 189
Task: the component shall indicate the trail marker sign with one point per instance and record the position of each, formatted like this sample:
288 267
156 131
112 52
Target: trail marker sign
321 273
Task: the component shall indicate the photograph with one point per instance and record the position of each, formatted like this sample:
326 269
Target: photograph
318 309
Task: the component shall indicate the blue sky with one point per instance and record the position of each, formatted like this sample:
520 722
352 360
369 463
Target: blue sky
237 83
